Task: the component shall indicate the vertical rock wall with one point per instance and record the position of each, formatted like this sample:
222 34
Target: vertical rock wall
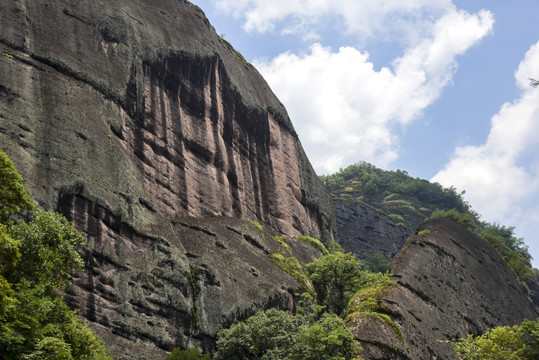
139 123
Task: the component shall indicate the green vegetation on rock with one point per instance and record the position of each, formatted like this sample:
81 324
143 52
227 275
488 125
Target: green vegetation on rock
407 201
37 256
462 218
314 242
335 277
518 342
275 334
394 192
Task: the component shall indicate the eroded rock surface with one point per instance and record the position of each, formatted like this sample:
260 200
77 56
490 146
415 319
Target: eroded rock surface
143 103
362 230
449 283
176 287
133 118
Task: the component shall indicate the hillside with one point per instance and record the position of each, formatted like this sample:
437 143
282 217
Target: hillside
376 210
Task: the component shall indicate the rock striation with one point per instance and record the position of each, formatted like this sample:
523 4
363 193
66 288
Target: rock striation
133 118
449 283
363 230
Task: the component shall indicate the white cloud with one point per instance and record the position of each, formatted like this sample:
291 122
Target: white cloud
345 111
498 176
365 18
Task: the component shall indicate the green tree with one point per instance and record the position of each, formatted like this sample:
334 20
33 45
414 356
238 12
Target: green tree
519 342
377 263
37 256
266 335
335 277
278 335
13 196
328 338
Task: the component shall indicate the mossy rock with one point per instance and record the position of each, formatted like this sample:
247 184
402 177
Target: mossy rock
371 299
379 337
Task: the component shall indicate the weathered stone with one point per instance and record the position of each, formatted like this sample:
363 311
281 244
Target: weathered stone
176 287
130 117
143 103
379 339
451 283
363 230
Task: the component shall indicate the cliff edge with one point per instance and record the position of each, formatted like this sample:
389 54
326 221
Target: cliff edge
150 132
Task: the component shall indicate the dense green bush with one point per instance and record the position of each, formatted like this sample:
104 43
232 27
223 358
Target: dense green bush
519 342
375 184
336 277
462 218
37 257
275 334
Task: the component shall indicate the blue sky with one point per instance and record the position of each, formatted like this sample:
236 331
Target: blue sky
438 88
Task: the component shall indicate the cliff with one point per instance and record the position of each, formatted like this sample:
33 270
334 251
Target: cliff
364 230
449 283
133 118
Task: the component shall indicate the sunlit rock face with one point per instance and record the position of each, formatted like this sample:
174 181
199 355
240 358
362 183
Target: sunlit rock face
129 115
449 283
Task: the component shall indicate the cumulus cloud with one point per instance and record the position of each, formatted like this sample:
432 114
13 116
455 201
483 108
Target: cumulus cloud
501 174
366 18
345 110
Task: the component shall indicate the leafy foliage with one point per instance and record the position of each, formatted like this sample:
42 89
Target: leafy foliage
13 196
376 263
292 266
315 243
519 342
275 334
462 218
36 260
512 249
336 277
406 200
374 185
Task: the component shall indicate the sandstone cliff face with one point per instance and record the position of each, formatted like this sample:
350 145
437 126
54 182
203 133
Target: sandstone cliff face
363 231
449 283
144 99
129 115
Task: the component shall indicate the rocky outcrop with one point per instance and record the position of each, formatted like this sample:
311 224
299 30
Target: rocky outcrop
363 230
133 118
179 286
449 283
143 103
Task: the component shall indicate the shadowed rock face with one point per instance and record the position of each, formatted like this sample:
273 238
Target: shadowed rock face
129 115
363 231
449 283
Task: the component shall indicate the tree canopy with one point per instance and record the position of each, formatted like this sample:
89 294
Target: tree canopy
518 342
37 257
375 184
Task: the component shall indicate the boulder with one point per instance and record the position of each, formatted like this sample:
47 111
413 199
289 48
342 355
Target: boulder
448 283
